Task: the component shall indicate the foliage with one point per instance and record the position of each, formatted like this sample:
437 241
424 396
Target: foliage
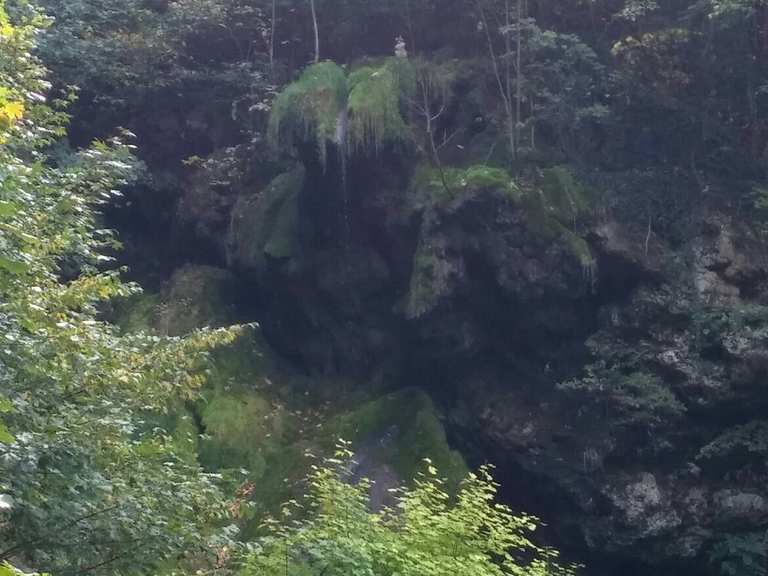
425 533
93 487
634 10
636 398
136 39
565 85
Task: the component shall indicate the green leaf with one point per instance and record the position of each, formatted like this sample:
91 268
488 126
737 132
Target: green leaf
6 438
12 266
7 209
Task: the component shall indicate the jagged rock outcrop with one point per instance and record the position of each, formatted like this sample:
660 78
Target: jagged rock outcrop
609 373
675 375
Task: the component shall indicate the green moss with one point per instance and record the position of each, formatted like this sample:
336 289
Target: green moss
195 297
310 107
563 196
467 181
242 365
579 248
552 209
137 313
283 237
265 225
358 113
400 429
374 104
428 283
236 425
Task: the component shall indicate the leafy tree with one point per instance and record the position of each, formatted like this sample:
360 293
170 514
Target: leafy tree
424 533
549 83
87 483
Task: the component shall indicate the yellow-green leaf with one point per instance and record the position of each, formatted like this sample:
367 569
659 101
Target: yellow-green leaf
6 438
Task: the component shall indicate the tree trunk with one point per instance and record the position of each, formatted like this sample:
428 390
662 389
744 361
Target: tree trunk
317 31
519 74
272 37
428 120
504 88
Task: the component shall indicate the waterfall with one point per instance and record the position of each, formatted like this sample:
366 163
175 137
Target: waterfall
340 139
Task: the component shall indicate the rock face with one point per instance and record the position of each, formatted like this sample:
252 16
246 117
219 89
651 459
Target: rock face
657 445
616 379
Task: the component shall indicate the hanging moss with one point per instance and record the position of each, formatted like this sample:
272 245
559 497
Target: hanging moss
376 96
359 113
311 108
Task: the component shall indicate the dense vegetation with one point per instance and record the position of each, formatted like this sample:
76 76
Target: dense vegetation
536 228
89 479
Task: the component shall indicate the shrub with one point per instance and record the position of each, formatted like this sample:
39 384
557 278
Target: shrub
426 533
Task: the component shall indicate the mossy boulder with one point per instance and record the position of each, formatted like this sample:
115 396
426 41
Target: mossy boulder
264 226
196 297
397 432
193 297
520 232
236 425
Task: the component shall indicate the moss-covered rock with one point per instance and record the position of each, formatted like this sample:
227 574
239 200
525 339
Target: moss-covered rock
437 270
563 195
399 430
265 225
193 297
554 206
463 184
310 109
137 313
196 297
